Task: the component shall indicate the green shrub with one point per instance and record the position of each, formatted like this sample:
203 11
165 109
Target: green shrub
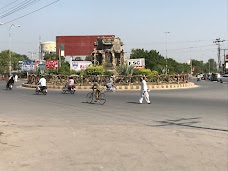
141 71
91 70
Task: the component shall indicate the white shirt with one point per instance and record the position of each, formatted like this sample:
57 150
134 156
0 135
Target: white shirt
144 86
42 82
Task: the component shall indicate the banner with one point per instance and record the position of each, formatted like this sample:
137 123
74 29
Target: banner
137 63
52 64
80 65
27 65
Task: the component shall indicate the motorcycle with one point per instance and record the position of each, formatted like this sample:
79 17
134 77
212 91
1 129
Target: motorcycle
10 87
66 89
41 90
112 88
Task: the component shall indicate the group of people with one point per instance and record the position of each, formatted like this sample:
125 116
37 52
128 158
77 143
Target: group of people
98 88
144 89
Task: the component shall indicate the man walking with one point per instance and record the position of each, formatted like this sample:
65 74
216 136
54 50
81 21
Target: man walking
144 91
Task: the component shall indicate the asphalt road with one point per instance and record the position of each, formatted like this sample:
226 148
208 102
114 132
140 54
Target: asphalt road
204 107
182 129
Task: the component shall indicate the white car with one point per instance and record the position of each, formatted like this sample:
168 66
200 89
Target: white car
223 78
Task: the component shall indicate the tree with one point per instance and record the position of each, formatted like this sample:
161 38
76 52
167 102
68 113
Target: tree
51 56
15 58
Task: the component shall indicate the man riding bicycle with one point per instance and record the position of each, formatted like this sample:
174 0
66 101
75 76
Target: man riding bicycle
98 89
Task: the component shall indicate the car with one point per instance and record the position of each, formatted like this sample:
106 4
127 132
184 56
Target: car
223 78
219 77
215 77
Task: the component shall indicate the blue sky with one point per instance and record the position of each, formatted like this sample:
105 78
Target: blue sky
193 25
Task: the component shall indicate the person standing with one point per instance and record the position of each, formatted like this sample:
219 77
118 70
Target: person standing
15 78
144 91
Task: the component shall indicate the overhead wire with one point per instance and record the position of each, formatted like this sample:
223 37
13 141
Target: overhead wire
8 4
20 7
32 12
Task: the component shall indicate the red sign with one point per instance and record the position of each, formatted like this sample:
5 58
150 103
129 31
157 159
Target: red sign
52 64
227 57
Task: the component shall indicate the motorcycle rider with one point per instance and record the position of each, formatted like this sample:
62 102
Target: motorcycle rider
110 84
70 83
42 83
11 81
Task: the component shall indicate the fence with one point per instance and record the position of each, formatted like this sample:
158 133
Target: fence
103 79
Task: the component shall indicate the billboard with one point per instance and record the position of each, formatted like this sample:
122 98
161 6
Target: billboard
80 65
27 65
52 64
137 63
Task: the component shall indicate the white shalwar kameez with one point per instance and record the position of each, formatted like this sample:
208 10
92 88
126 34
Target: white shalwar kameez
144 92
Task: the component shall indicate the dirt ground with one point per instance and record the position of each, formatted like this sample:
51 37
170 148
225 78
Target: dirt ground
63 145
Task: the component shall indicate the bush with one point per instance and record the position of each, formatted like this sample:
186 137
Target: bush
142 71
109 73
91 70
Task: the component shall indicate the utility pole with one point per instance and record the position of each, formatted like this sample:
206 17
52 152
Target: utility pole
166 65
218 41
32 54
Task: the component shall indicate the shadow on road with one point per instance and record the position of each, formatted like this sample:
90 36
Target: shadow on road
185 122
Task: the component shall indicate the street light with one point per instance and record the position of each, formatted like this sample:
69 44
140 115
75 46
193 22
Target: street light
10 64
166 66
32 54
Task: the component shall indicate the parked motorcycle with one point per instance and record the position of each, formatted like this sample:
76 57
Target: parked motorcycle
66 89
40 89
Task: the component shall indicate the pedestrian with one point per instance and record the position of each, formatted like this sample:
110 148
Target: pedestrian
144 91
15 78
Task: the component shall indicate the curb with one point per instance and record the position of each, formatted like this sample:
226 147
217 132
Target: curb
124 87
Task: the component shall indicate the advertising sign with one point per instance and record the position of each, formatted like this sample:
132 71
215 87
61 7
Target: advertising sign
80 65
137 63
52 64
27 65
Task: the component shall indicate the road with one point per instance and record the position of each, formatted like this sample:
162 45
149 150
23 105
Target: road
196 111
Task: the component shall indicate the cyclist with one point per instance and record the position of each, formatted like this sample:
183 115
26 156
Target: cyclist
98 90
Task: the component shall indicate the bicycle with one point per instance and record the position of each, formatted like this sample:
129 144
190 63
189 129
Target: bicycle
91 97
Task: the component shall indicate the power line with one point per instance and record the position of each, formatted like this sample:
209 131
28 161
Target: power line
31 12
8 5
20 7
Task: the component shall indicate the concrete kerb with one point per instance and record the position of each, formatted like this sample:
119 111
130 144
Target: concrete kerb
126 87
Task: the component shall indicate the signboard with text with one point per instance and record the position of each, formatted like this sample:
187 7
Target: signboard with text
137 63
52 64
80 65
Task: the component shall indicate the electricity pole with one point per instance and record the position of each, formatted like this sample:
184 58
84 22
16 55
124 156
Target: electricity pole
218 41
166 65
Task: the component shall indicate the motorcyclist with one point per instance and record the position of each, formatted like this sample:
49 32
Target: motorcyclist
109 85
42 83
70 83
11 81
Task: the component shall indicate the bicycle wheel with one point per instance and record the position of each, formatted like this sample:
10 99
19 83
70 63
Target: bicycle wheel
102 99
89 97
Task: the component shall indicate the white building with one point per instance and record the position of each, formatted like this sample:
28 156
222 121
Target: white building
47 48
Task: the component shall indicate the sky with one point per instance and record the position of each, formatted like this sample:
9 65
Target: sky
193 25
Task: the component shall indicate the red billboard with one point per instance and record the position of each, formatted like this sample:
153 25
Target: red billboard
52 64
76 45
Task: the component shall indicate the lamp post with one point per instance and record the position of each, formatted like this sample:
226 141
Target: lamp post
166 65
32 54
10 63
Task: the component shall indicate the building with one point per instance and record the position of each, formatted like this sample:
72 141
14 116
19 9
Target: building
76 45
47 48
